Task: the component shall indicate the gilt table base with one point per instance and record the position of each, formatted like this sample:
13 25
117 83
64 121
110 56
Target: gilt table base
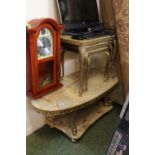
75 124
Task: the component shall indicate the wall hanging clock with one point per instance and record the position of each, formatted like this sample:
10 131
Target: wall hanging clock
42 57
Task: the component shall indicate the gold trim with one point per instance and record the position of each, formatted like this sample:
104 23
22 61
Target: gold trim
28 26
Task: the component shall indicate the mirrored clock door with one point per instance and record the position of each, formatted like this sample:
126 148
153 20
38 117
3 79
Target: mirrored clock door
45 55
45 43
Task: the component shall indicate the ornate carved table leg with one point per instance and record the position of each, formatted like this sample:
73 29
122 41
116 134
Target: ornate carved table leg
73 126
50 121
108 101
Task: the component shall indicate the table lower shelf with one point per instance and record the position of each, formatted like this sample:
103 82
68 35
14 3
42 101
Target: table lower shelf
75 124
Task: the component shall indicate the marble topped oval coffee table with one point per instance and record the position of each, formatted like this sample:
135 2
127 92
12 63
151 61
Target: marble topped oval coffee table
73 114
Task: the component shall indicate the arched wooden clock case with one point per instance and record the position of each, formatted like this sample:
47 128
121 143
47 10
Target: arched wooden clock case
42 57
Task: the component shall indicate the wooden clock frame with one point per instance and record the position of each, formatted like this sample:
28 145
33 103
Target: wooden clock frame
33 63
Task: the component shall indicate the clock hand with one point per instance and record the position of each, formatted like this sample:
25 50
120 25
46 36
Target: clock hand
39 43
43 42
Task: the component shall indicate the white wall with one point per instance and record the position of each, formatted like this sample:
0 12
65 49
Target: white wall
41 9
34 120
44 9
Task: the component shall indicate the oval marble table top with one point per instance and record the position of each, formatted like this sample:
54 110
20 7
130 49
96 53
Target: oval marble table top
67 99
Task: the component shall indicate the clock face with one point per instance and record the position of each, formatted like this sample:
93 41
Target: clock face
45 43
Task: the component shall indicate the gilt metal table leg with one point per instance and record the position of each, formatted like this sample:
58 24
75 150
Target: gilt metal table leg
107 65
62 62
113 58
114 50
50 121
86 57
110 61
82 66
88 62
73 125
